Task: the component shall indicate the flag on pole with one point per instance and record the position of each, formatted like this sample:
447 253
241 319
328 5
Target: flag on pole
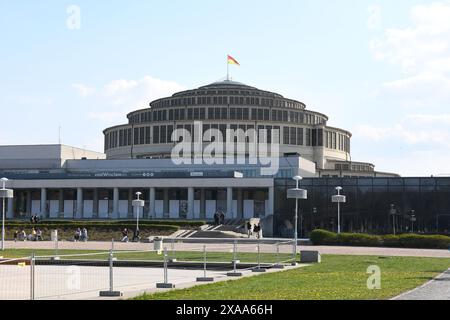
231 60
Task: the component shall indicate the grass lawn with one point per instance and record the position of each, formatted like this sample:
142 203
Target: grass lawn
337 277
179 255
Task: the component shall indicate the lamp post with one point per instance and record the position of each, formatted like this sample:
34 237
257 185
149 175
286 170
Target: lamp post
138 203
4 194
392 212
338 198
296 194
413 219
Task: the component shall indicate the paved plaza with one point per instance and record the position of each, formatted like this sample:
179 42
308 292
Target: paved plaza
436 289
242 247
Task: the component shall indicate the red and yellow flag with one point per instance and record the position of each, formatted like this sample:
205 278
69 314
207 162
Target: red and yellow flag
232 60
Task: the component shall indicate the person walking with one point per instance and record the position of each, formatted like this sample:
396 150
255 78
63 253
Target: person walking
125 235
249 229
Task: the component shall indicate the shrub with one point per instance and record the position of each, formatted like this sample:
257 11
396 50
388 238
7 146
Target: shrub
358 239
323 237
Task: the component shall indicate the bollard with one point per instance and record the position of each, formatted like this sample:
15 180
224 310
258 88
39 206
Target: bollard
204 278
174 253
56 257
32 279
294 254
235 262
258 268
165 284
278 265
111 292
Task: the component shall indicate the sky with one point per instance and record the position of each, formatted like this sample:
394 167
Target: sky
380 69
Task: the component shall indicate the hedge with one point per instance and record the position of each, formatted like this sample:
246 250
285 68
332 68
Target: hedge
324 237
143 222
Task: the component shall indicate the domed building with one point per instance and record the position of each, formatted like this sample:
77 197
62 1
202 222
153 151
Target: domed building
230 105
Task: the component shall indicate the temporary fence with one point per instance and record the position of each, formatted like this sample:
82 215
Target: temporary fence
110 273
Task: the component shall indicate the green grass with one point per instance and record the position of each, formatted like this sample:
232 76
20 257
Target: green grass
151 256
336 278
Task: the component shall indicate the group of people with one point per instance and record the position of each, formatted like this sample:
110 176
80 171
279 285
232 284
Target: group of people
80 235
219 217
35 235
136 237
34 219
254 230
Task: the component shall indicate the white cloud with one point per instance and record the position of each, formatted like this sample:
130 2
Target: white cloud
432 119
422 51
374 20
118 97
409 135
83 90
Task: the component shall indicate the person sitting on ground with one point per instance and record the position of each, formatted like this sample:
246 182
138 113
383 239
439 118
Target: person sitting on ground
84 235
76 235
125 235
23 235
39 235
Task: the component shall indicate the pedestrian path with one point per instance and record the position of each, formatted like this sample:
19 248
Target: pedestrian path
436 289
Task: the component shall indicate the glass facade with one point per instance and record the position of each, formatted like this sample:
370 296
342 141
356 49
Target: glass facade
368 205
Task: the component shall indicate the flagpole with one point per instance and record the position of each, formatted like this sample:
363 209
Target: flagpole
228 70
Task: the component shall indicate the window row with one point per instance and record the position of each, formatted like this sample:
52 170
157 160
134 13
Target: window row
226 100
226 113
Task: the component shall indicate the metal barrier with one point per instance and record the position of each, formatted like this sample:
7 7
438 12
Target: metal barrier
113 272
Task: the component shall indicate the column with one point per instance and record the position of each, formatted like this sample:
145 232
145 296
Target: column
79 212
190 213
130 203
44 211
29 202
166 203
202 204
10 208
152 213
115 213
270 201
229 203
95 204
240 203
61 203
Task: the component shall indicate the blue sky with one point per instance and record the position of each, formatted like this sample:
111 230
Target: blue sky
380 69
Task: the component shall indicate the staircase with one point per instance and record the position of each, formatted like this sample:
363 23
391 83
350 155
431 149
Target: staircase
230 229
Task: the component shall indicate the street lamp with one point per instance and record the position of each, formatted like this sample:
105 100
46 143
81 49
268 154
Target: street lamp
4 194
138 203
296 194
392 212
338 198
413 219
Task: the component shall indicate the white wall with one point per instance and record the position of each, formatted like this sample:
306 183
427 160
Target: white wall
248 209
68 209
103 209
196 209
174 209
210 206
54 208
36 207
159 209
123 208
88 208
